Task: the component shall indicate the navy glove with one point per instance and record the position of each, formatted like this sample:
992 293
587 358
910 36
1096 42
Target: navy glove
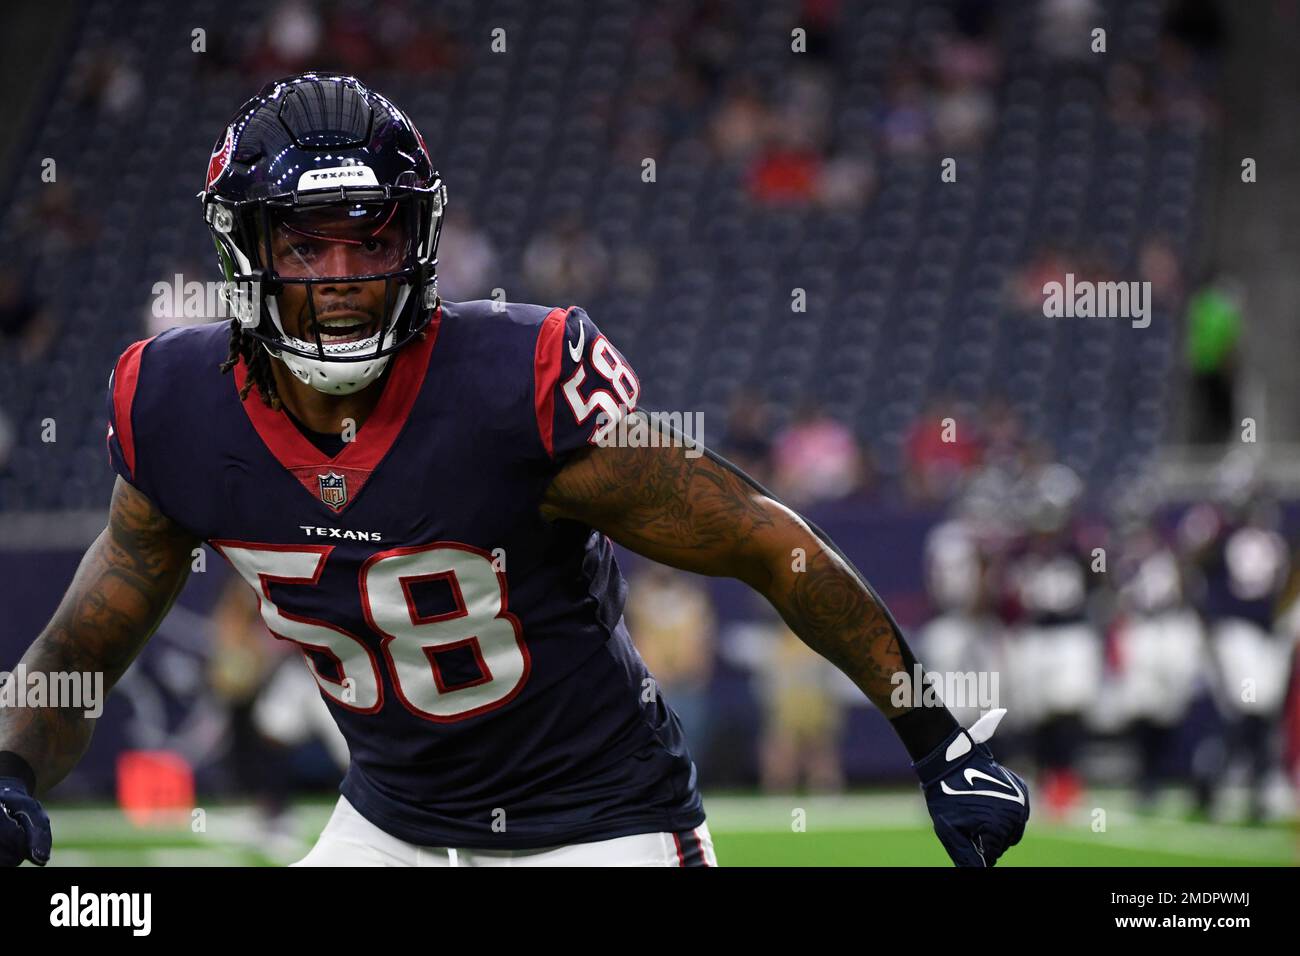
979 807
24 825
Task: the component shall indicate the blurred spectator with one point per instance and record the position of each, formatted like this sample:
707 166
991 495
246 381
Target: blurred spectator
1065 29
1049 264
707 39
1158 264
969 55
822 21
816 458
349 43
748 440
670 617
290 40
565 262
803 718
59 224
467 260
1129 95
941 450
905 125
1180 86
847 180
411 40
804 109
108 83
966 67
26 325
1002 431
740 125
787 172
635 269
963 117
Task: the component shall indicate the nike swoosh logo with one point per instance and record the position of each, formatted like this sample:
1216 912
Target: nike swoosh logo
575 350
971 774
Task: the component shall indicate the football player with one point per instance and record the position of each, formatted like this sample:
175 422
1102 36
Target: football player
1240 566
421 495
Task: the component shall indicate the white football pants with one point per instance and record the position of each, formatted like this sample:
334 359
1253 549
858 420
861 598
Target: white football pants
349 839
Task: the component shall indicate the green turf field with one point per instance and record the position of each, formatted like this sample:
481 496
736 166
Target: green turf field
874 829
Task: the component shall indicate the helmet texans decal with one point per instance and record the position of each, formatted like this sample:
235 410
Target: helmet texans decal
220 158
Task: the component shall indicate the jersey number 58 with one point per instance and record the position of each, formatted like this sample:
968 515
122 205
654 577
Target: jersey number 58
411 641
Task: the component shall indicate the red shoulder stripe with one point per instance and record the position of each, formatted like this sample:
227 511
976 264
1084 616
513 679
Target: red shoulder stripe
546 372
126 376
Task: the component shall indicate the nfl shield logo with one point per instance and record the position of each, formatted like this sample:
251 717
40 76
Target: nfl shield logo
333 490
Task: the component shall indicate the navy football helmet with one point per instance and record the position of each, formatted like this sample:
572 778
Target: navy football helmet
311 161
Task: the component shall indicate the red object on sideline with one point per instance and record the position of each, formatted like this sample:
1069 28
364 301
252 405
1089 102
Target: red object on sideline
155 786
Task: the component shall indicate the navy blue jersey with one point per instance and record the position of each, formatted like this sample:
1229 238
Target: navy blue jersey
1245 569
473 654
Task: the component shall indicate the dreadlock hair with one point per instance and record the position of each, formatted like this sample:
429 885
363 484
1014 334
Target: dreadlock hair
258 361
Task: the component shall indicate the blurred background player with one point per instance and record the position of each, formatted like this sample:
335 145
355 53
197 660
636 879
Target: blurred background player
1055 649
1157 644
1243 565
964 634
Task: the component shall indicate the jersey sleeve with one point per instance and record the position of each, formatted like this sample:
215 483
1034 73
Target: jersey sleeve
583 384
122 445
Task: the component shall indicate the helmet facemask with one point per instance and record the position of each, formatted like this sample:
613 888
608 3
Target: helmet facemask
298 243
335 255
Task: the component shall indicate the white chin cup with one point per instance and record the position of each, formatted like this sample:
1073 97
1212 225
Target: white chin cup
336 378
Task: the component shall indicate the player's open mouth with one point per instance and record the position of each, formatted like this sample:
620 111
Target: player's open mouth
345 327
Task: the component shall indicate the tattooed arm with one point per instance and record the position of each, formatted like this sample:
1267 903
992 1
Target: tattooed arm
701 515
698 515
124 587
